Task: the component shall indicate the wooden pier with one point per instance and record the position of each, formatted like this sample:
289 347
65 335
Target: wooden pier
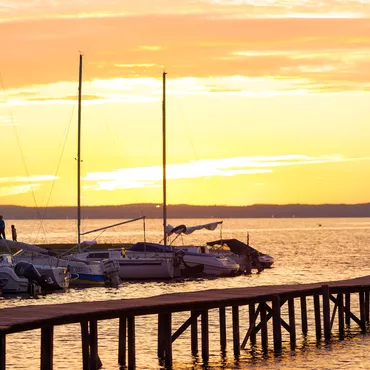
264 303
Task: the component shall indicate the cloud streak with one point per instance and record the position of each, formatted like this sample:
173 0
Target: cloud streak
143 177
31 183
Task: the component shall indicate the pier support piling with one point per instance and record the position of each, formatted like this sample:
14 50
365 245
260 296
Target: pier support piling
367 302
236 334
276 323
94 357
194 333
2 351
316 301
85 345
264 338
222 317
326 311
131 342
205 336
292 330
340 315
47 340
252 322
304 315
361 295
122 332
347 305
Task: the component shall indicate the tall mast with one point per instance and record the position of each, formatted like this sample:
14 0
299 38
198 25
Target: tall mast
79 155
164 158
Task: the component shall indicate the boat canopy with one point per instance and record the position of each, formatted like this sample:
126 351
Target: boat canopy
183 229
150 247
236 246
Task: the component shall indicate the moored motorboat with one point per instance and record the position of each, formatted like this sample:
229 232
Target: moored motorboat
188 257
13 280
75 272
137 268
237 250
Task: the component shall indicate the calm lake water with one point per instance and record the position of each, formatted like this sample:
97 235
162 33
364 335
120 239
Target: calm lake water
305 250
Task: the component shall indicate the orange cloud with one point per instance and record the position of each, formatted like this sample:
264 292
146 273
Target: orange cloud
328 52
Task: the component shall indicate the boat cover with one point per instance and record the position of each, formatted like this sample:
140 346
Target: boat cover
235 245
27 247
183 229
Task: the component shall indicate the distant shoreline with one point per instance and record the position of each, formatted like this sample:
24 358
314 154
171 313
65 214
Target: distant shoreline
189 211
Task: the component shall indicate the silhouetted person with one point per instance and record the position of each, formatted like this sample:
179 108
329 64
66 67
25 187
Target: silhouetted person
14 233
2 228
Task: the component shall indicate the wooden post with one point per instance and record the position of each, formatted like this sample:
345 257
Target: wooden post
85 345
222 316
264 339
205 339
367 302
47 348
93 345
2 351
160 350
236 334
316 301
166 322
304 315
340 315
347 304
131 342
326 311
292 322
252 311
362 310
194 333
122 342
276 323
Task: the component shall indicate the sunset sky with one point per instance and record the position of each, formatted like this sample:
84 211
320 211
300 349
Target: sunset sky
268 101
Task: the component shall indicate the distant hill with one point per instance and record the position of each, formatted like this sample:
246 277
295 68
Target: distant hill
188 211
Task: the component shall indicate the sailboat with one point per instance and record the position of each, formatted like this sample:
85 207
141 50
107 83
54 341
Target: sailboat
188 261
127 268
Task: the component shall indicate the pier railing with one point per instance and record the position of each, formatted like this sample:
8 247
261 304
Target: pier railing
264 303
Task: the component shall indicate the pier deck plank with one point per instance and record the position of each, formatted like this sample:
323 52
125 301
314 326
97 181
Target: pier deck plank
18 319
